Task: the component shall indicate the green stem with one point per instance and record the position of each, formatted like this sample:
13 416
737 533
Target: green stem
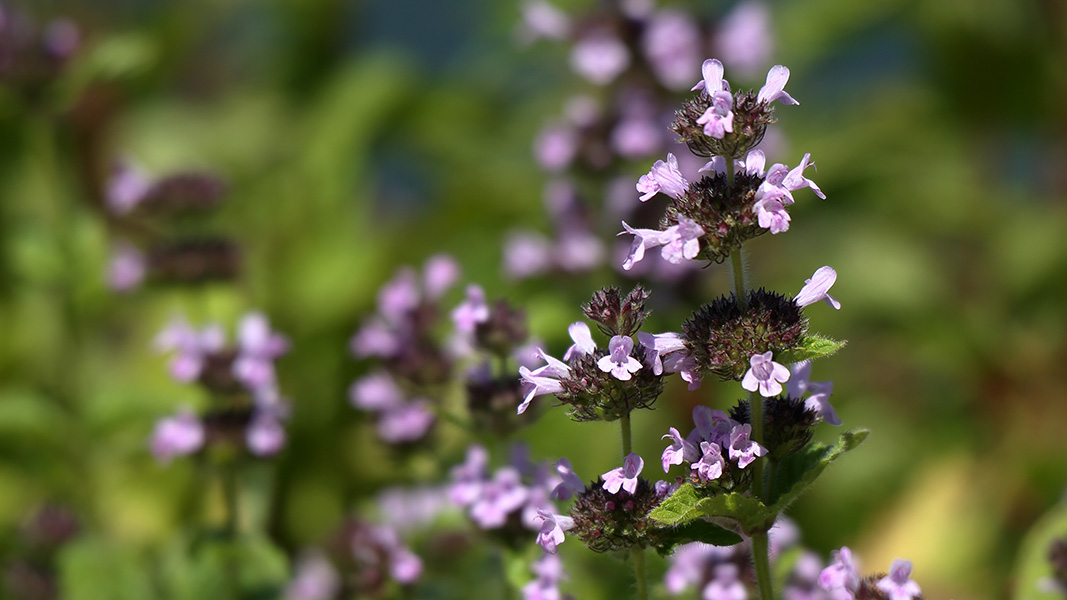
737 261
230 499
624 422
729 171
755 410
639 570
761 558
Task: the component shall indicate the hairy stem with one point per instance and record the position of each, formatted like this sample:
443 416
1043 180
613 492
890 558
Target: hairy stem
729 171
737 261
624 422
639 570
761 558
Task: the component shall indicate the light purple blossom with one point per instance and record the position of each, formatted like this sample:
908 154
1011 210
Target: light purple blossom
258 347
126 267
549 572
781 182
765 375
711 425
552 527
742 448
712 82
819 401
498 497
315 579
686 366
583 341
555 147
794 180
771 214
375 392
473 311
637 135
543 380
816 289
643 240
526 254
178 435
399 296
126 188
725 585
376 338
680 450
841 573
438 274
624 477
774 88
744 39
599 56
469 476
663 177
577 250
659 345
404 565
570 484
541 19
717 165
692 563
191 347
718 119
711 463
754 163
898 584
683 241
265 435
406 423
672 46
618 361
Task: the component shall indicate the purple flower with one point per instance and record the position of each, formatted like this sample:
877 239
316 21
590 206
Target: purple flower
663 177
771 214
315 579
774 89
498 498
782 182
659 345
376 392
711 463
542 20
543 380
404 565
438 274
468 477
599 56
618 361
258 346
570 483
624 477
526 254
178 435
636 135
406 422
672 45
583 341
819 401
754 163
765 375
61 38
556 146
549 571
578 250
816 289
711 425
126 268
841 573
472 311
744 38
552 527
399 296
376 338
718 120
191 346
743 449
683 241
265 435
725 584
643 240
686 366
126 188
898 584
680 450
794 180
712 82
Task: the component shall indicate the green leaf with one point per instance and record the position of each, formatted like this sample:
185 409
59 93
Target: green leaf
798 471
91 568
695 531
1032 566
812 346
679 508
686 505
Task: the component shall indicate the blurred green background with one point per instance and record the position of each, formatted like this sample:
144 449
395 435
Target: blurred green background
360 136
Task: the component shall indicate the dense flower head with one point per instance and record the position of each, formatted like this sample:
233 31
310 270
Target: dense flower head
370 556
723 339
606 520
616 314
788 423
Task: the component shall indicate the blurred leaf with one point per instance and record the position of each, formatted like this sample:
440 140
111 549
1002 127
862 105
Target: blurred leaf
250 565
812 346
117 57
92 568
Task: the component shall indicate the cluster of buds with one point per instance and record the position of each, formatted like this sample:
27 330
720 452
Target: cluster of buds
34 573
738 200
717 451
247 407
607 384
146 209
507 502
32 56
361 561
640 57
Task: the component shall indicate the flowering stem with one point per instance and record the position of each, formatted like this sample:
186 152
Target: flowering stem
729 172
230 499
639 570
737 262
761 558
624 422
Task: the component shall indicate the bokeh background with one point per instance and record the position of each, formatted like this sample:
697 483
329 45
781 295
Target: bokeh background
357 137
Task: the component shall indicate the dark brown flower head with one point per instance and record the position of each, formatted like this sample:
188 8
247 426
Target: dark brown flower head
594 395
182 192
1057 555
787 424
606 521
194 261
492 405
723 212
722 338
615 314
505 329
751 118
